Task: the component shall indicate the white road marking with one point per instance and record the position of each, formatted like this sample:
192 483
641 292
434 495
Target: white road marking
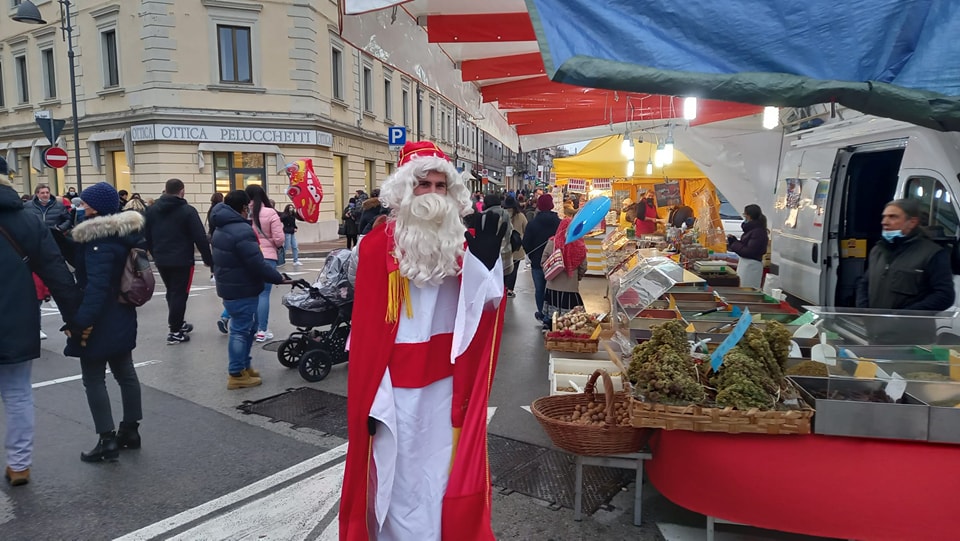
78 376
332 532
528 409
490 412
289 514
261 487
676 532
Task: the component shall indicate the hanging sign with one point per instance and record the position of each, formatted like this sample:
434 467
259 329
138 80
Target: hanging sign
578 185
601 184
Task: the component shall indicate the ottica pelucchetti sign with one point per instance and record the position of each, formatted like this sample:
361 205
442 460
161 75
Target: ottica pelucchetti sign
229 134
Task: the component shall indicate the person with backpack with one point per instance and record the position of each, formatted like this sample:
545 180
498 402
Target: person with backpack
26 247
104 331
172 230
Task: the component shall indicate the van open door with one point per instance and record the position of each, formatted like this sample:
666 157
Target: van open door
798 228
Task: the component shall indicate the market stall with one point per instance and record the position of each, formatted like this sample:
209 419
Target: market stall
830 422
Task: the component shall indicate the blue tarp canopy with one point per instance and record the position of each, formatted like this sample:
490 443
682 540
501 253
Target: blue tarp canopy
893 58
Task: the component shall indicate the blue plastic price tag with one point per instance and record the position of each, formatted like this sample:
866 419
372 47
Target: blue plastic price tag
716 358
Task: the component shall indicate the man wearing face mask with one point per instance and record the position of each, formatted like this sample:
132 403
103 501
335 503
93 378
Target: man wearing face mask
906 269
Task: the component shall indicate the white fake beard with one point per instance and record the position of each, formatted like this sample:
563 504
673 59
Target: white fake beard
429 238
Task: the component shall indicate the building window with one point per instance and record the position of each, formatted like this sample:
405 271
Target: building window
387 100
111 68
443 125
405 105
23 86
236 64
367 89
3 102
336 61
433 122
369 174
237 170
120 170
49 74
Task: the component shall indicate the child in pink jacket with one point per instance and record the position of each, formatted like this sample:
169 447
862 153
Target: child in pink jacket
269 230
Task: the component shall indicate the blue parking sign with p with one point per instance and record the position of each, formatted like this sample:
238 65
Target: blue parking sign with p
397 135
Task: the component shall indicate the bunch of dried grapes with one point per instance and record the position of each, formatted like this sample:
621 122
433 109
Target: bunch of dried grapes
778 337
755 343
744 382
661 369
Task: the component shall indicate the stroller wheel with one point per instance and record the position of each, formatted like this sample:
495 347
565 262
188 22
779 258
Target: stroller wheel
290 352
315 365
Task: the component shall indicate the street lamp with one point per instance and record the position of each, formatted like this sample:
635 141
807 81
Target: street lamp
27 12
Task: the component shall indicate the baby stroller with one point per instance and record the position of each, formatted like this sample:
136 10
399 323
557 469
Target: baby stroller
326 303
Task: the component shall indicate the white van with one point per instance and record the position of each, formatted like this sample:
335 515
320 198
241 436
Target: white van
833 184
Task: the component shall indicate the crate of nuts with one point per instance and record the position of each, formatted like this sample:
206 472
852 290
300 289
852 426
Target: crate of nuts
587 424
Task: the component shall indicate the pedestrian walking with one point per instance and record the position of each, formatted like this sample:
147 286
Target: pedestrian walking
104 331
241 271
173 229
539 230
562 292
371 209
492 207
416 420
349 217
519 222
49 209
26 247
269 229
289 219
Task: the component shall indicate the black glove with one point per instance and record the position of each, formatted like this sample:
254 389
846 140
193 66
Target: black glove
485 243
731 239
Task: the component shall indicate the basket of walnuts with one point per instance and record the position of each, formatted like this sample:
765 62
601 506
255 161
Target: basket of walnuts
585 424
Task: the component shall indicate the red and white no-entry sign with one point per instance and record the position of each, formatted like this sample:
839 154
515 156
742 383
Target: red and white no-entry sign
55 157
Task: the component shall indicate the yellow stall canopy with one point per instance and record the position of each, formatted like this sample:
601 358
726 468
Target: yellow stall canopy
601 158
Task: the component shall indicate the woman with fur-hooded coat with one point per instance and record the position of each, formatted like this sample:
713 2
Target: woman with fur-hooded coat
104 331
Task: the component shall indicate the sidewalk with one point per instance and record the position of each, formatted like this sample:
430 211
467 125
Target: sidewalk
320 249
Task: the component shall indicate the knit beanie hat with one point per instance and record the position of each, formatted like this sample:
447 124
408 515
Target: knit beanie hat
102 198
544 204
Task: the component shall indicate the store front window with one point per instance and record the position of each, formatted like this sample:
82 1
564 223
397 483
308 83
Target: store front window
120 171
237 170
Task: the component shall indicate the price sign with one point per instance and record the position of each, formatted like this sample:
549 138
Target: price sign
578 185
716 358
601 184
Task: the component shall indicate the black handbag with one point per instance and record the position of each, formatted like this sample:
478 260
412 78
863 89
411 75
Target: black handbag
515 241
342 230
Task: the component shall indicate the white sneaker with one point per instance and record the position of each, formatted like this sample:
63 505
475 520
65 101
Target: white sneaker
297 263
263 336
43 335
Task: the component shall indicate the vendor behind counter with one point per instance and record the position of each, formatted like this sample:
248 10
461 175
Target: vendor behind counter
646 222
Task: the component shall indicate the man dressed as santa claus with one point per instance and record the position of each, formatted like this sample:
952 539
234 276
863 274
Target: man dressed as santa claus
427 319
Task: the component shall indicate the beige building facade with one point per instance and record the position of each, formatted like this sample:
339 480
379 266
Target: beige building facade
218 93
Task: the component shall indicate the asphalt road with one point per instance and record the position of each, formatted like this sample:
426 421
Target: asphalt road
208 471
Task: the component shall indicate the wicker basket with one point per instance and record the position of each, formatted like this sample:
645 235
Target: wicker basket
587 440
729 420
572 346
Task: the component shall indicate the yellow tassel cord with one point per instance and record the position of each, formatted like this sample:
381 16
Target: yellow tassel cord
456 443
398 291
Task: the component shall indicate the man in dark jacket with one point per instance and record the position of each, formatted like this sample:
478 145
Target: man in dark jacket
371 210
34 251
49 209
539 230
240 272
906 270
173 229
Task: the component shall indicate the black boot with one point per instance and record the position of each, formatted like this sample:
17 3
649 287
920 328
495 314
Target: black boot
127 436
106 449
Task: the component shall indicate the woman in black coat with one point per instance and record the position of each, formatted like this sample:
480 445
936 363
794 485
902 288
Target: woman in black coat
751 247
350 215
104 331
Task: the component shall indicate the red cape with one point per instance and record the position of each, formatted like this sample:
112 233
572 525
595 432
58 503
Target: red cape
466 506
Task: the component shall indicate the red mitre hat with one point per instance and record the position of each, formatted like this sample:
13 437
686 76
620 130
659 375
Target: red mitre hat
420 148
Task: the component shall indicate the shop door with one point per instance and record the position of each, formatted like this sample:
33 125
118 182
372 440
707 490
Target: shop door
340 188
237 170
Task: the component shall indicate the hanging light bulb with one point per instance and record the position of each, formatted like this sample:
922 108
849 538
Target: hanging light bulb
630 167
771 117
668 149
658 155
626 147
690 108
649 167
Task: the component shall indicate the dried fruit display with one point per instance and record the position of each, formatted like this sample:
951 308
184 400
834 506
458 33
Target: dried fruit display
662 370
595 413
809 368
576 323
